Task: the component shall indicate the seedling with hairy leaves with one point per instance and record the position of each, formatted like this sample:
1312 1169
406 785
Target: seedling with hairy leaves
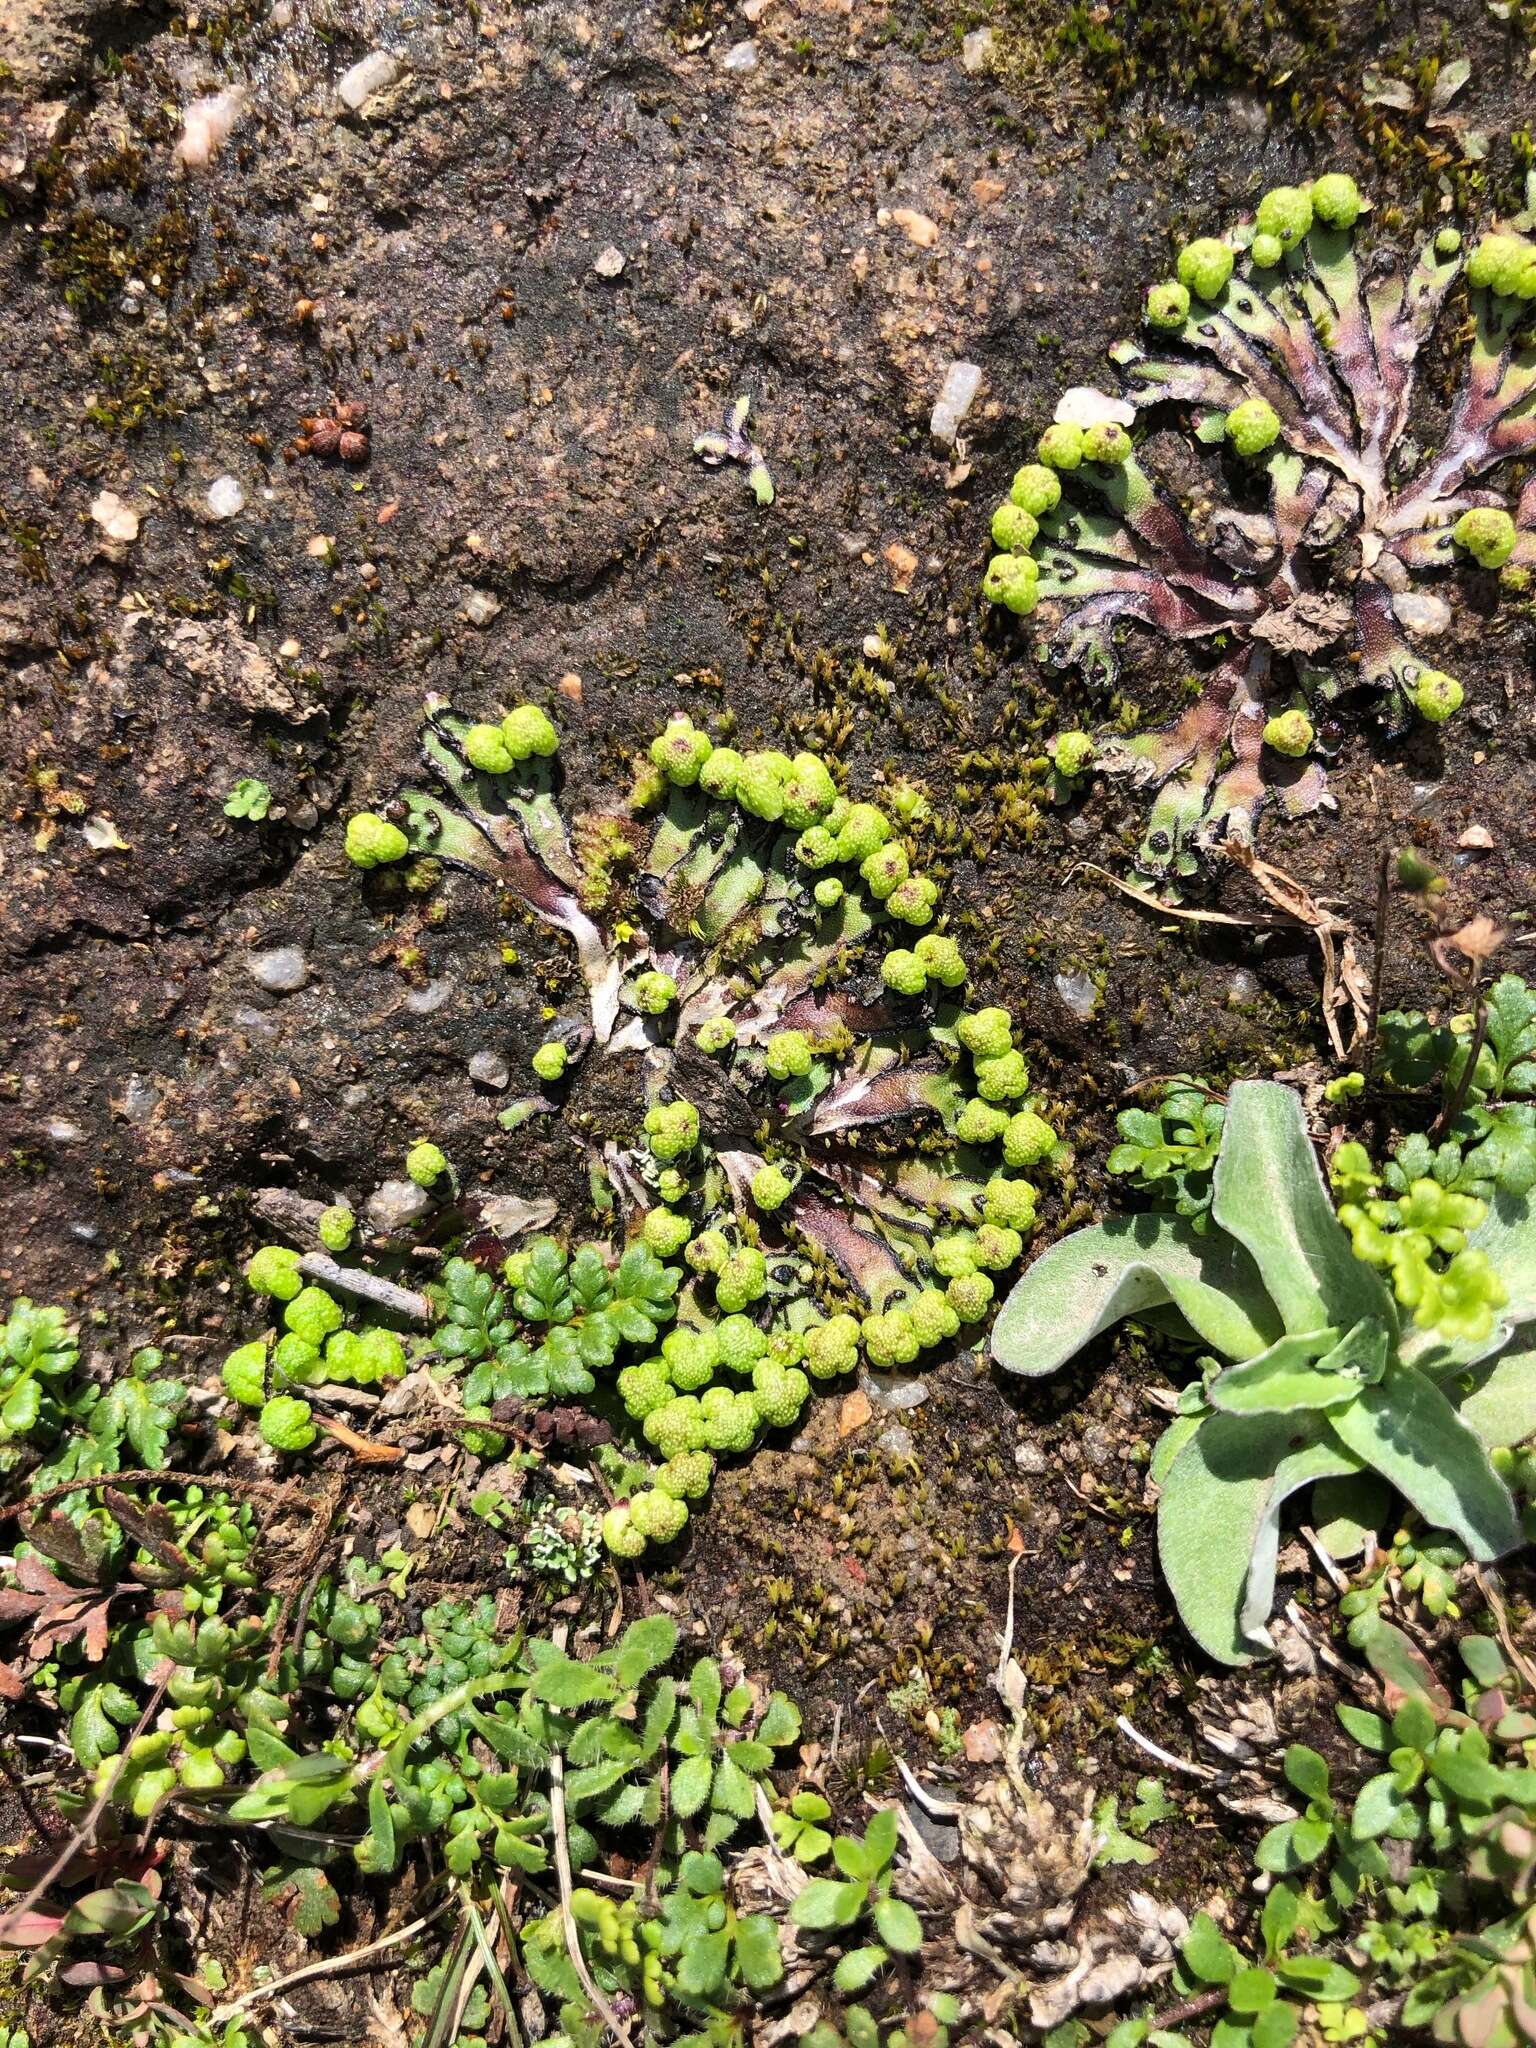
1315 1375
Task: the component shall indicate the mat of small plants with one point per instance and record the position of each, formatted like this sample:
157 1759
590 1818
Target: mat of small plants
769 1264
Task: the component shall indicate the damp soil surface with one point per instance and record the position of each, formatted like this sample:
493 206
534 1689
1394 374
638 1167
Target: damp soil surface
546 256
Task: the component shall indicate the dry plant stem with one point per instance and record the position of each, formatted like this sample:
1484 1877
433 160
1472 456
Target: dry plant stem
600 2004
366 1287
82 1833
1164 1756
327 1967
1379 964
309 1572
1191 2008
1453 1107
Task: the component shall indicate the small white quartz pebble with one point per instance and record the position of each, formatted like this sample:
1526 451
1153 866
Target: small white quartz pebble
957 395
207 125
225 497
369 75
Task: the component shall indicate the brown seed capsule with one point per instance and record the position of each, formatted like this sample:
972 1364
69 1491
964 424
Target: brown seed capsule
324 437
352 415
354 447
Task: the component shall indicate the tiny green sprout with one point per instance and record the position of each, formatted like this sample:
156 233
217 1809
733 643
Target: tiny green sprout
742 1280
655 992
372 842
250 798
942 960
828 892
620 1533
1253 426
1344 1088
1290 733
890 1339
708 1252
1035 489
1009 1205
1167 305
1337 200
681 751
1106 441
1448 242
798 1829
1071 753
771 1187
1061 445
336 1226
910 802
425 1164
528 732
1027 1139
1204 266
980 1123
671 1129
865 829
760 783
719 774
779 1393
1003 1078
1014 529
730 1421
551 1060
665 1231
1285 213
885 870
832 1347
741 1342
312 1315
687 1476
816 847
1488 535
904 973
986 1033
970 1296
913 900
1012 581
809 792
1437 696
245 1375
285 1423
274 1270
787 1056
485 748
1498 264
1266 250
715 1034
997 1246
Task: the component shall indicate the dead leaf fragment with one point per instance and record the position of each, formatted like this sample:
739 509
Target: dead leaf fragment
102 836
903 566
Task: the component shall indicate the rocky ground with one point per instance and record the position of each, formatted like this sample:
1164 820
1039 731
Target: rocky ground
546 250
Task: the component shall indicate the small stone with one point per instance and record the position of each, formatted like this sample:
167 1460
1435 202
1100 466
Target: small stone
489 1070
481 606
139 1100
281 970
225 498
976 52
421 1002
1029 1458
1478 838
116 520
64 1133
894 1390
740 57
1086 406
373 73
917 227
895 1441
1078 993
1242 988
957 394
610 262
395 1205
